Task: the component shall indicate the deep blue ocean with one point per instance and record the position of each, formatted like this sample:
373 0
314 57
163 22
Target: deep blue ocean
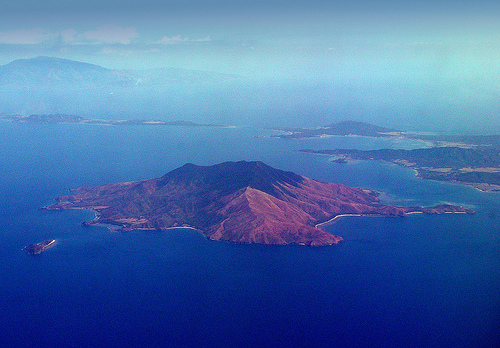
419 281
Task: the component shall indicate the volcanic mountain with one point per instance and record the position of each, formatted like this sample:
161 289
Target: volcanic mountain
241 202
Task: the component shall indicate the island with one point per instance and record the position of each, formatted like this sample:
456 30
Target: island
343 128
38 248
477 166
64 118
240 202
363 129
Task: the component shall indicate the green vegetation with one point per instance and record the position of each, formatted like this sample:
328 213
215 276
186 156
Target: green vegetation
467 165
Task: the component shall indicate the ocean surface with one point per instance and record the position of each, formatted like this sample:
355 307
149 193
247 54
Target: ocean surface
419 281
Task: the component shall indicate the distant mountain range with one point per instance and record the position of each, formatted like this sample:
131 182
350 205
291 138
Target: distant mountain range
241 202
56 73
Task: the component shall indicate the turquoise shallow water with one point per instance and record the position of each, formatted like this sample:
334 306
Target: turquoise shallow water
408 282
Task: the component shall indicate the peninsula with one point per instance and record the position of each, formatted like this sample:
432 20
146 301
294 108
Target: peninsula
477 166
240 202
38 248
469 159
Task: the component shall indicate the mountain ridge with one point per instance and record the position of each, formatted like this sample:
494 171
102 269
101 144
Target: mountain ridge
45 72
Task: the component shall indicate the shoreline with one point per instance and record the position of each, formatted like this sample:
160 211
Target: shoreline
326 223
118 227
38 248
481 187
183 227
332 220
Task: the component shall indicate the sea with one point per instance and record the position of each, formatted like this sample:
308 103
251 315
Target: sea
418 281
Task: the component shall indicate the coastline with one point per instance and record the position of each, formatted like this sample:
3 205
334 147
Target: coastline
482 187
328 222
183 227
73 119
118 227
332 220
38 248
486 174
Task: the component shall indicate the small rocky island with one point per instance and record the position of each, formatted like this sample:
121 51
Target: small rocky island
38 248
240 202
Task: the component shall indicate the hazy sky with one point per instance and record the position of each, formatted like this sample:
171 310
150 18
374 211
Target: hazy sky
408 62
384 38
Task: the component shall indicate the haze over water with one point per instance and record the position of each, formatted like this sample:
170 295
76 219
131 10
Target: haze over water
395 63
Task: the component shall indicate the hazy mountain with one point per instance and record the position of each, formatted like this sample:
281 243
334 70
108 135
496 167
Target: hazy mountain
57 73
47 85
47 72
340 128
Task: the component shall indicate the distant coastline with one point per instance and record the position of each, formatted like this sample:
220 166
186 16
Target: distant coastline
63 118
344 128
473 160
478 166
362 129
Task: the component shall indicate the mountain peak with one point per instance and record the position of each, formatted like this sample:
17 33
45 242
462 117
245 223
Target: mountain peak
69 76
53 73
43 62
232 176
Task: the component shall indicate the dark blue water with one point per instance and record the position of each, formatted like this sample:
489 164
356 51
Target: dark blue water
421 281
